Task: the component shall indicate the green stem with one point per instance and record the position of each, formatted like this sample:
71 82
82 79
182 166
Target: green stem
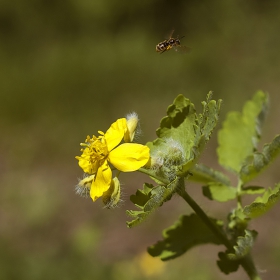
205 218
246 262
239 189
249 266
151 173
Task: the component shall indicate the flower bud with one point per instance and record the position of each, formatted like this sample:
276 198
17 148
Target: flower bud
111 198
167 157
84 185
175 152
132 127
156 162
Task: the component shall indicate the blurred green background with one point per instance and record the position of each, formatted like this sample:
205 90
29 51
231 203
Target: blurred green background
70 68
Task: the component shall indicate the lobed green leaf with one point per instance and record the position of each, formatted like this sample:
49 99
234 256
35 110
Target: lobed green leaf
229 262
149 199
219 192
184 126
187 232
244 245
179 123
258 162
263 204
225 264
240 133
210 115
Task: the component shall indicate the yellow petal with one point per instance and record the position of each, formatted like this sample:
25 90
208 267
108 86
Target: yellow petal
102 181
129 156
86 164
115 133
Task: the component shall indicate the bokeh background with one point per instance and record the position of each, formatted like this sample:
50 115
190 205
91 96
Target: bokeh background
70 68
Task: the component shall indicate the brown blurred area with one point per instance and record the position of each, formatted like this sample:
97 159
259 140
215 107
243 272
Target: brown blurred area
70 68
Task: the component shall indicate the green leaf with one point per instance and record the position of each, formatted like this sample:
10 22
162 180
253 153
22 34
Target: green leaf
219 192
210 115
179 124
149 199
253 190
191 132
240 133
260 161
229 262
186 233
142 196
206 123
262 204
204 174
226 265
244 245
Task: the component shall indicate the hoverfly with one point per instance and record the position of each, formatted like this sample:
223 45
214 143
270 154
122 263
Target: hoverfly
171 43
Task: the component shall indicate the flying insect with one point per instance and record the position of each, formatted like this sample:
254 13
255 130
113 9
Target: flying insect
172 43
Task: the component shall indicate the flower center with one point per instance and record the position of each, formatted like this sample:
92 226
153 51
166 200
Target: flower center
96 149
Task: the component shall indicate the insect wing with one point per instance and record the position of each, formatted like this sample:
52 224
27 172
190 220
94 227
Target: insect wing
181 49
171 34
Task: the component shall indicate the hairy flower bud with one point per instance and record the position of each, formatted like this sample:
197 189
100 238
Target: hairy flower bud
174 151
167 158
132 121
112 197
84 185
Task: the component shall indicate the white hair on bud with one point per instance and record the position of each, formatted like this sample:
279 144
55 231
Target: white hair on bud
156 161
132 115
167 157
175 151
82 191
84 185
112 203
138 131
113 197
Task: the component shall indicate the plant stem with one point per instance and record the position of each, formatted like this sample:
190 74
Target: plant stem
246 262
238 189
249 266
151 173
205 218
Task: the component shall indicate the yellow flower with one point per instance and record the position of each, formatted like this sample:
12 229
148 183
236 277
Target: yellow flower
99 151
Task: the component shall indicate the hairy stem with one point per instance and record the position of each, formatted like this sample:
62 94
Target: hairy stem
151 173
